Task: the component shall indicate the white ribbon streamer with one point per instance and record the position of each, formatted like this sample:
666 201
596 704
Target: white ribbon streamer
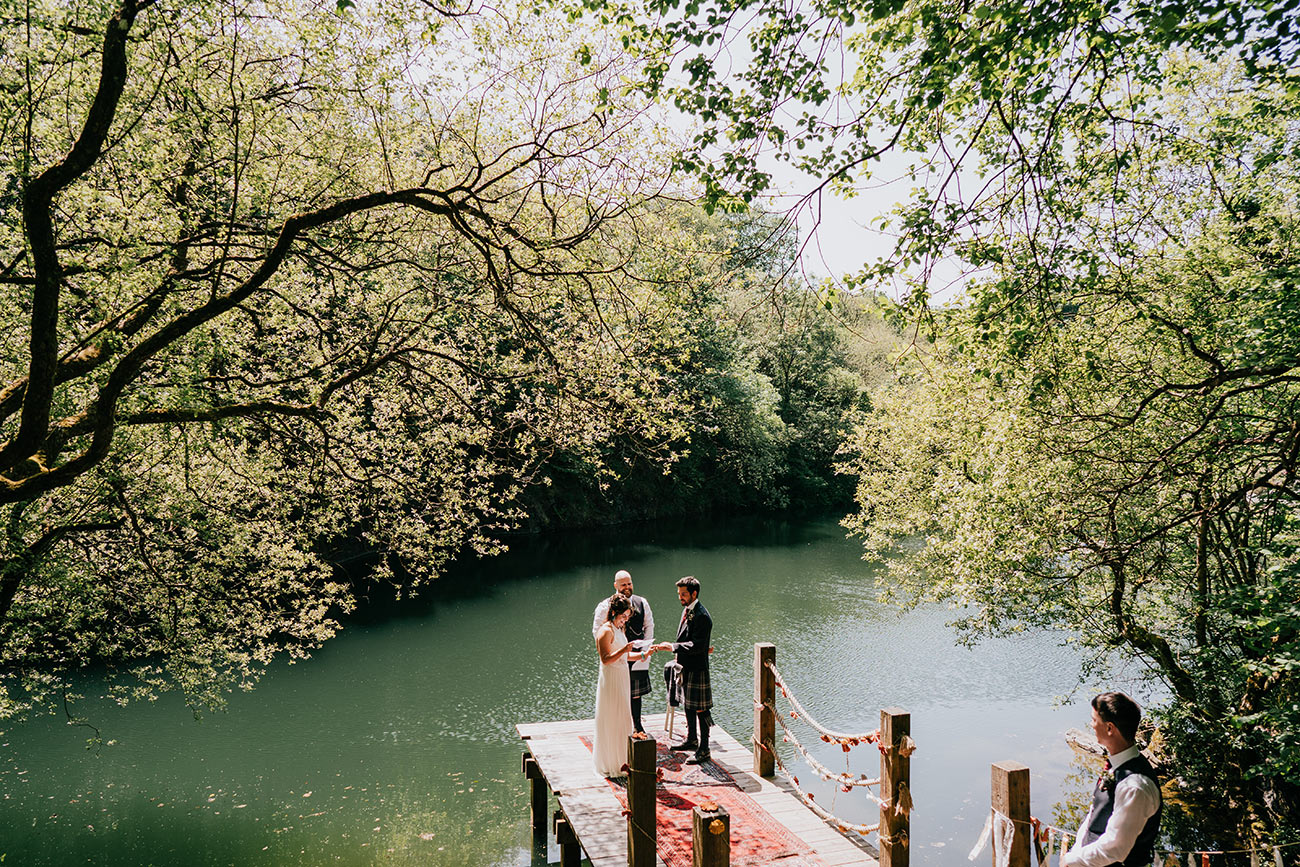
1004 833
984 837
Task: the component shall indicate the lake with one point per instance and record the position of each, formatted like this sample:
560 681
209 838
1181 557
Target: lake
395 743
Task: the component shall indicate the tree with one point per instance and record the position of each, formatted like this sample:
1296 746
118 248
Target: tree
769 374
278 277
973 101
1108 441
1049 168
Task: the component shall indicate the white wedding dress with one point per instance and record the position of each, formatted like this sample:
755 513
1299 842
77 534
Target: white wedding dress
613 713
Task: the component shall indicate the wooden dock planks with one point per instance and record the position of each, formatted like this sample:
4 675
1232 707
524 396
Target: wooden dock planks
596 814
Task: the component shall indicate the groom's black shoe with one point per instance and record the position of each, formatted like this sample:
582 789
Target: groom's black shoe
685 746
700 757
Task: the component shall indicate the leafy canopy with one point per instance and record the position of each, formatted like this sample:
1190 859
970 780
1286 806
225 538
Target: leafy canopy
281 283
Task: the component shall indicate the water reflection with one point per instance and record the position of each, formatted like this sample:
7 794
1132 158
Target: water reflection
395 744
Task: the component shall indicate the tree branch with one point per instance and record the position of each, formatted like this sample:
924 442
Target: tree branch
38 223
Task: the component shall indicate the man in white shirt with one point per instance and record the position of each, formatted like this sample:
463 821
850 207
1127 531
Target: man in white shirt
640 631
1124 821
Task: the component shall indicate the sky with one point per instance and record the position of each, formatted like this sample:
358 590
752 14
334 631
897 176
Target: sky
839 236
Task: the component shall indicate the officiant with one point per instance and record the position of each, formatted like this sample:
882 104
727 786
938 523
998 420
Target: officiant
640 631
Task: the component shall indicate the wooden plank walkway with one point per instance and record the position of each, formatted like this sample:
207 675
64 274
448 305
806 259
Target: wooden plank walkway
593 809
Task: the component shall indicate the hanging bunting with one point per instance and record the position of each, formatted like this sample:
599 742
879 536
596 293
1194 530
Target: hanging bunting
984 838
1004 832
1038 840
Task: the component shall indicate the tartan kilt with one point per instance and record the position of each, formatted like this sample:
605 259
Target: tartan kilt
696 692
640 682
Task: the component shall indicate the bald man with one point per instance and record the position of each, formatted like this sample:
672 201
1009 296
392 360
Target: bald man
640 628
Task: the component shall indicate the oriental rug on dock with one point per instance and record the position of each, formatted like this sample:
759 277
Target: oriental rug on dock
756 837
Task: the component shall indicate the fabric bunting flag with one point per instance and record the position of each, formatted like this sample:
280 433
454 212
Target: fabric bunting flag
1004 831
1039 834
984 838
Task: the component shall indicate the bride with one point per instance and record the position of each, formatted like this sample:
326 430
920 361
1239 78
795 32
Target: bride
614 690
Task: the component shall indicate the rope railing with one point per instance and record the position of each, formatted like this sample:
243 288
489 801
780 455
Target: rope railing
893 811
812 804
843 737
844 779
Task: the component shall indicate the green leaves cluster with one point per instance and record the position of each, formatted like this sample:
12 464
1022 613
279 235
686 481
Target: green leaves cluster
771 371
281 283
1107 440
971 100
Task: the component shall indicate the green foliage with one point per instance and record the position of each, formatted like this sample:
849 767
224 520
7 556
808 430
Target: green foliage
1107 439
773 373
281 280
970 101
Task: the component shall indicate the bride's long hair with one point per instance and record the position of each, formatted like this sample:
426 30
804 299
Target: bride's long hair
617 605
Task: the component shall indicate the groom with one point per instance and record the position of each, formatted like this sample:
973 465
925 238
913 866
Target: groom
692 649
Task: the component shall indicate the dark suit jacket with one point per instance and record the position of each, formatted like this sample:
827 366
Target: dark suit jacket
692 644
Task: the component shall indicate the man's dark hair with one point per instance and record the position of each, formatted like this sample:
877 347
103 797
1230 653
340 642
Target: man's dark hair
690 584
617 605
1120 711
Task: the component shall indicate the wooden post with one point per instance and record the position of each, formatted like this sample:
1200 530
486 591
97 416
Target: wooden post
895 780
641 794
710 837
570 851
537 794
764 715
1011 799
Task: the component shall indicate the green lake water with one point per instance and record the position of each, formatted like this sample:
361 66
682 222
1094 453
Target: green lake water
395 743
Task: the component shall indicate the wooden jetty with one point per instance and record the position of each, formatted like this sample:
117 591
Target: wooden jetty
769 823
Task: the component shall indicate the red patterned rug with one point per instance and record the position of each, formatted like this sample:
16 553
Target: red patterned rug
756 837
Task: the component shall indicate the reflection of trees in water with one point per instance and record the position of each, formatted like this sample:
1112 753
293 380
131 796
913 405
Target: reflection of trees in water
530 555
1076 789
420 835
